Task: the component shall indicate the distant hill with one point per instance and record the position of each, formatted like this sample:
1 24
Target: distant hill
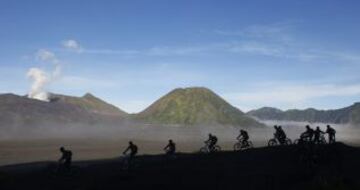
347 115
20 111
189 106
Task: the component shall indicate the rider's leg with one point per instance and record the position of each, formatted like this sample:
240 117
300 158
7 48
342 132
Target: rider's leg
211 147
281 140
246 141
67 165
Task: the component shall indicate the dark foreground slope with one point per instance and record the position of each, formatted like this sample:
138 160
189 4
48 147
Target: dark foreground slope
277 168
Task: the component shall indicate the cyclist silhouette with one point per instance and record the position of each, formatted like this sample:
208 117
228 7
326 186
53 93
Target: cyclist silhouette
280 134
243 137
317 134
133 150
211 142
308 134
331 132
170 148
66 159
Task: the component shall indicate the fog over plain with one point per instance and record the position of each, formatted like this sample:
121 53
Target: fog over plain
99 142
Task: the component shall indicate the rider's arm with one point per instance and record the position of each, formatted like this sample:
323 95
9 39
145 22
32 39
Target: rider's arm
238 137
166 147
127 149
62 158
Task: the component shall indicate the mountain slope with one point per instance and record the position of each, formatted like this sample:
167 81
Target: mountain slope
89 103
347 115
19 111
194 106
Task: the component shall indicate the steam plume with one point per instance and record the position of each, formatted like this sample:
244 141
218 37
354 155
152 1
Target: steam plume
42 78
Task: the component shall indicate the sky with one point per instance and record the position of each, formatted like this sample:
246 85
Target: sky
254 53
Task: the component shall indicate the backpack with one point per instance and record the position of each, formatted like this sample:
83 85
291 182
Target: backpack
333 130
134 149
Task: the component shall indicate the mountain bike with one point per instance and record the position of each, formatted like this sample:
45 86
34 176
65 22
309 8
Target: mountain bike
58 170
322 139
128 162
206 148
242 145
275 142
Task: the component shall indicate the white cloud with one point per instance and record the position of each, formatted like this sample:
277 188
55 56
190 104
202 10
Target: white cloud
343 56
46 56
153 51
275 32
75 46
279 40
272 40
111 52
72 45
285 96
257 48
169 51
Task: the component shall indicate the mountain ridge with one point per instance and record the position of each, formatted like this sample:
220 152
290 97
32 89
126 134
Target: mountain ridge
21 111
346 115
89 102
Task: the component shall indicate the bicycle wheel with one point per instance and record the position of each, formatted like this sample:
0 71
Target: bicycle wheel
250 144
288 141
322 140
297 141
217 148
203 150
237 146
272 142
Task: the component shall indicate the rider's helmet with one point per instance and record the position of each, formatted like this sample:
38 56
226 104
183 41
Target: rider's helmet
307 127
210 135
62 149
170 141
317 128
130 143
328 126
275 127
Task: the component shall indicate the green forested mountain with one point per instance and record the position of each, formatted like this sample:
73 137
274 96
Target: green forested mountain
194 106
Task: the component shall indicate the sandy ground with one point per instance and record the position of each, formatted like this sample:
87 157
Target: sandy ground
282 168
14 152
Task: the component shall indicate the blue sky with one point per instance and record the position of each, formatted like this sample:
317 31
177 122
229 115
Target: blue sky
281 53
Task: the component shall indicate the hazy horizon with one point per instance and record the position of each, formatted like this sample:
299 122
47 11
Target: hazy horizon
94 142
